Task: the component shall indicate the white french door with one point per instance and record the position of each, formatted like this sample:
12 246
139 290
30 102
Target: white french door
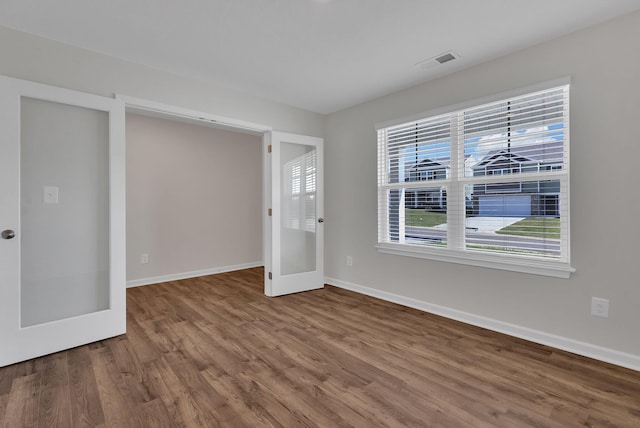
294 198
62 219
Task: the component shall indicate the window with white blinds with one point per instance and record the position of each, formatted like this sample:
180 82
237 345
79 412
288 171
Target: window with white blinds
299 193
484 183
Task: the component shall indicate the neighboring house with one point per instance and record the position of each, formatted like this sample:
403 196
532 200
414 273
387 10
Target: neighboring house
519 198
433 198
513 199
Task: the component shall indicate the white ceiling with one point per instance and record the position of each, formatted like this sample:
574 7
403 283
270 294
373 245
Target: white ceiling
320 55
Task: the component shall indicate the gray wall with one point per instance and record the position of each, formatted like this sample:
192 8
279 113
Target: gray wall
194 197
605 209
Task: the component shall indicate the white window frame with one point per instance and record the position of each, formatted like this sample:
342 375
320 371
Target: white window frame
455 251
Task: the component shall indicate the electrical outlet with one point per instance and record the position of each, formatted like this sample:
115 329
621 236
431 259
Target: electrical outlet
599 307
349 261
144 258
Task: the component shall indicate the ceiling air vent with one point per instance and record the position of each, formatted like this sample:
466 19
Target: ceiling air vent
445 58
437 60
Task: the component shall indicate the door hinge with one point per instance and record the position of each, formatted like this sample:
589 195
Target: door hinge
270 212
270 275
269 148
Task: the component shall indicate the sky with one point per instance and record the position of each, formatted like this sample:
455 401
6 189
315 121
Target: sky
479 147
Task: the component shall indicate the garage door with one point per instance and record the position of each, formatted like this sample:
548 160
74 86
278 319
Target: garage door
505 206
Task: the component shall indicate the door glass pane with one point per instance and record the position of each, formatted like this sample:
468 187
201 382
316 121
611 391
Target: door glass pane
64 201
298 208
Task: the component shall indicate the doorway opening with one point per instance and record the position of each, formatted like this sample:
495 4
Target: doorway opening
194 193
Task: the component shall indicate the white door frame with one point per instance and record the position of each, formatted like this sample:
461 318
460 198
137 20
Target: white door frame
152 108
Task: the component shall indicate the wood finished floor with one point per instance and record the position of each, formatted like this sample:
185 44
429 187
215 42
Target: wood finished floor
214 351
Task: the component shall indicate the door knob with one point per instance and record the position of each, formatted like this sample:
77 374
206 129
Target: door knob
320 220
8 234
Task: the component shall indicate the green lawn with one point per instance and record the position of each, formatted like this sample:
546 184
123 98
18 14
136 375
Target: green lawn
545 227
421 217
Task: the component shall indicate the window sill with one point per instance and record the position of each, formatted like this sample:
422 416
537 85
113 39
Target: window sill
502 262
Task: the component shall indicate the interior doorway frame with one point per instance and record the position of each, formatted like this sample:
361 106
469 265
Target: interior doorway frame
166 111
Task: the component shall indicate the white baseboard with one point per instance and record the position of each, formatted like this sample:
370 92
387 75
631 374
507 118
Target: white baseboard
577 347
192 274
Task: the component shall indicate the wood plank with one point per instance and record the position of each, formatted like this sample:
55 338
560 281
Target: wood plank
213 406
131 368
4 400
86 409
115 399
180 405
54 400
7 376
245 402
154 414
22 404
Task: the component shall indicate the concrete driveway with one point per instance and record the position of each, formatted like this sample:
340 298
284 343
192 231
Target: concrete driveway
486 224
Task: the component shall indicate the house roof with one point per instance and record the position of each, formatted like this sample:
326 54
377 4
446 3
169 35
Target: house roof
432 164
548 152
